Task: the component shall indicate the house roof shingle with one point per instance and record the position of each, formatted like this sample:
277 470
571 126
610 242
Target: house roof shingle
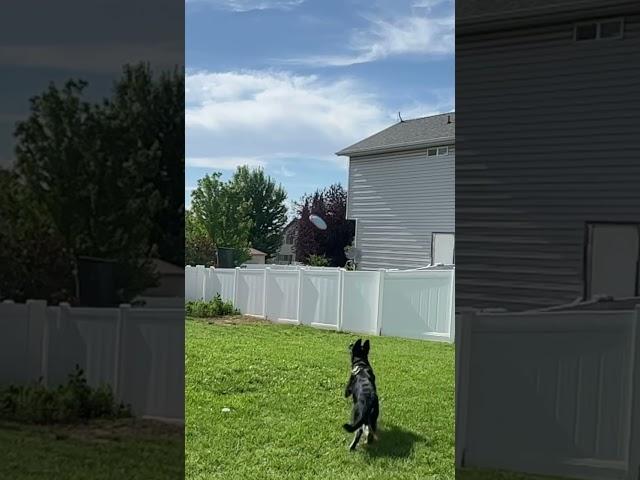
413 133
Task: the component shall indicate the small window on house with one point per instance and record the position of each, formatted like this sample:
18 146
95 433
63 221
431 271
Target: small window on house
611 29
432 151
442 150
599 30
452 149
289 239
586 31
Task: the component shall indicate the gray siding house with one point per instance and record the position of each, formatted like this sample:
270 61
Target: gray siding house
287 252
401 194
549 116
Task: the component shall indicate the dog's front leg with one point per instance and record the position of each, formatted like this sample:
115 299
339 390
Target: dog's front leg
347 389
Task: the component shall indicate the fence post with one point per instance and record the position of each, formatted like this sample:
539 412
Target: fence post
205 274
452 317
634 437
123 314
299 306
341 273
63 314
264 293
200 275
379 320
36 321
463 362
236 273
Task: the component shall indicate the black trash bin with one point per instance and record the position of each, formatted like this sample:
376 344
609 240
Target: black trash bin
225 257
96 279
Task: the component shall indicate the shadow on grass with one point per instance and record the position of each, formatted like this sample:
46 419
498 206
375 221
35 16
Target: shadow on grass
393 442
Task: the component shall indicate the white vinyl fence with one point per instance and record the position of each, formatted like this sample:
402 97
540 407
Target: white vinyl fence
411 304
553 393
138 351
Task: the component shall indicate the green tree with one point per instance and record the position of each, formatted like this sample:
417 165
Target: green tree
267 208
199 248
34 262
105 174
318 261
222 211
149 112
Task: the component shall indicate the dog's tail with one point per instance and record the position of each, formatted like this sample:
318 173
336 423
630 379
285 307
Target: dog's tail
361 420
352 428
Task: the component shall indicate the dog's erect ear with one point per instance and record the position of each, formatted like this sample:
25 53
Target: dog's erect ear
366 347
357 346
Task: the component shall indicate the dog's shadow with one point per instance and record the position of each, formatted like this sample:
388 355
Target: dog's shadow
393 442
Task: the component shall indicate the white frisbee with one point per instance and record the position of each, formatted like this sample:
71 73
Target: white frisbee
317 221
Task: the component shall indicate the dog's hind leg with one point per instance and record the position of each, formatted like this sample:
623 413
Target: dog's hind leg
373 424
368 434
356 439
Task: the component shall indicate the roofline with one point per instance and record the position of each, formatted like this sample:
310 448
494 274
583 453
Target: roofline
532 16
346 152
289 224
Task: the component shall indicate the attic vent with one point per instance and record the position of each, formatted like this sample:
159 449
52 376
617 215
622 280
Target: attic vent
608 29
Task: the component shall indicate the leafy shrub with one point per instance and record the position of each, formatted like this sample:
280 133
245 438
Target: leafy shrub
213 308
317 261
73 402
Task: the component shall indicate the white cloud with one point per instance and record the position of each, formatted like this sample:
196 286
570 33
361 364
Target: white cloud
265 115
408 35
282 121
248 5
285 172
223 163
429 4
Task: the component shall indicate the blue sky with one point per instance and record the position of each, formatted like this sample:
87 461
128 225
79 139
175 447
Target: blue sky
284 84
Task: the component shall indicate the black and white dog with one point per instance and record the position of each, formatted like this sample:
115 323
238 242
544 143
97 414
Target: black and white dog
362 386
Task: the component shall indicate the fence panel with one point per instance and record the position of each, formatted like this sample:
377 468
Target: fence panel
320 298
152 362
132 349
14 339
282 295
418 304
191 284
82 336
226 280
411 304
360 302
250 295
548 393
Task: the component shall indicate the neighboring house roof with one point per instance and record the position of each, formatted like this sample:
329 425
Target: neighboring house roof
255 252
290 224
166 268
407 134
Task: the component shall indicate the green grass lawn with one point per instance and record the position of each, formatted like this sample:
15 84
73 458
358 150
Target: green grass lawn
103 450
284 387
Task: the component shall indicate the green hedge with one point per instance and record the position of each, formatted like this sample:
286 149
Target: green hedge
213 308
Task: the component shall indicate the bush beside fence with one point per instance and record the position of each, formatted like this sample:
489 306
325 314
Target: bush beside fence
134 350
411 304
